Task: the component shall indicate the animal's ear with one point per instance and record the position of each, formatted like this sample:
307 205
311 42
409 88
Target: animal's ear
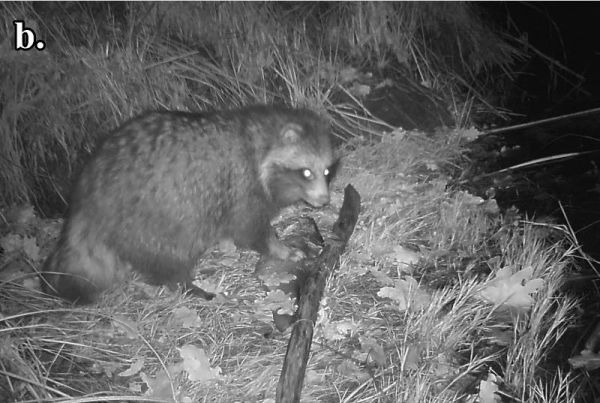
291 133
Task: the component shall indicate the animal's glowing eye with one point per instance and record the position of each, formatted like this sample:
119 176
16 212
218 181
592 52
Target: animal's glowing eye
307 174
326 172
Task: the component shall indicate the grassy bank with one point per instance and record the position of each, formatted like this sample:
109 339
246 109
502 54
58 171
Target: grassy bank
440 297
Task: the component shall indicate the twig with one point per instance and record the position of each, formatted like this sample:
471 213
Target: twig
543 121
291 380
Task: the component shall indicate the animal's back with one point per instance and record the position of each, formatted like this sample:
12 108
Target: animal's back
163 183
163 188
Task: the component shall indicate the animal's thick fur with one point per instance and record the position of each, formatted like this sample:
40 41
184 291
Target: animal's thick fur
167 185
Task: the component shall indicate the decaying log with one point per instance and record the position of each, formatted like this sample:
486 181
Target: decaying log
311 290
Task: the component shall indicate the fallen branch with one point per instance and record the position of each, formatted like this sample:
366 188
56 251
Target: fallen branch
291 380
543 121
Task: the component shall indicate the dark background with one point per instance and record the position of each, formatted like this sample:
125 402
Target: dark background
567 33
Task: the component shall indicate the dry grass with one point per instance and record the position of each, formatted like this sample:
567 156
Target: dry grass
403 319
105 63
436 346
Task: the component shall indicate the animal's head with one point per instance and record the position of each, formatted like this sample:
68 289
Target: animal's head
300 164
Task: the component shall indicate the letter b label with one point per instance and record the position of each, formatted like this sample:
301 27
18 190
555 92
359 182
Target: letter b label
25 37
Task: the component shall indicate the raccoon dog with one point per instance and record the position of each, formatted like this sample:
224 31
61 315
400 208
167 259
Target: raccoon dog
167 185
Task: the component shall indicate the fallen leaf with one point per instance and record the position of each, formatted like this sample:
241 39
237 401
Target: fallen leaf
134 368
346 327
385 83
188 318
469 199
229 261
512 290
431 165
106 368
135 387
339 330
160 386
407 294
348 74
208 286
404 256
196 364
126 326
31 283
14 271
352 371
11 243
314 377
21 215
360 90
468 134
279 301
587 359
488 389
374 350
382 278
30 248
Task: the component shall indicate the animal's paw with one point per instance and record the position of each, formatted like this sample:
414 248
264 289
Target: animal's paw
199 292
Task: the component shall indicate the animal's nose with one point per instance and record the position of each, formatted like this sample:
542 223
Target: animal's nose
321 200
